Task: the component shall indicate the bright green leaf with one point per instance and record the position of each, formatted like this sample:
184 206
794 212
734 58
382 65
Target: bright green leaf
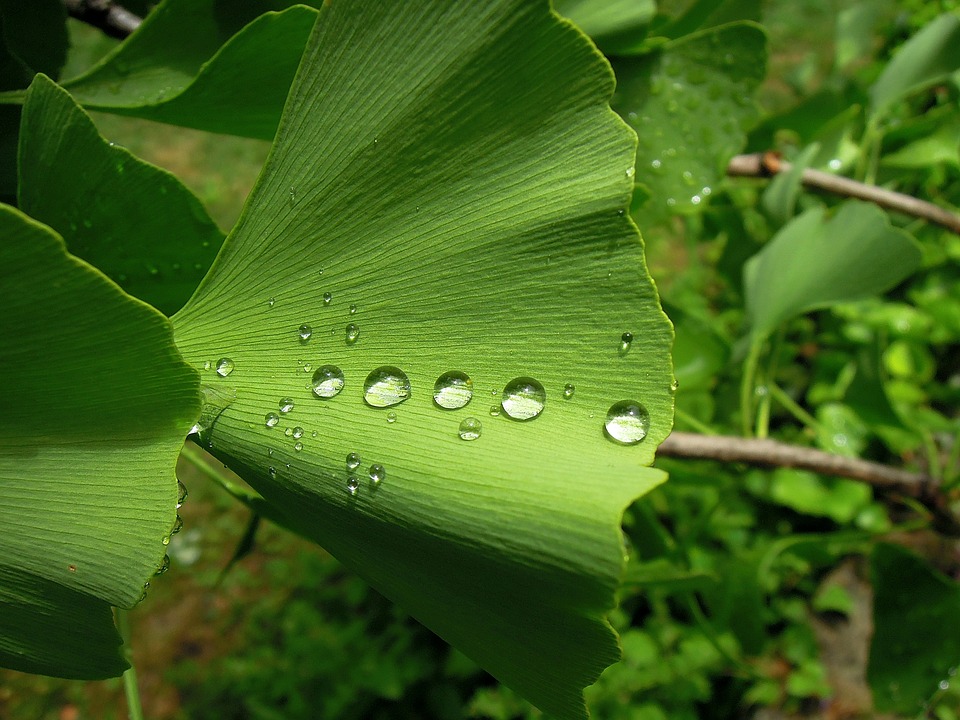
137 223
929 57
690 103
97 402
813 263
456 173
914 646
808 493
612 24
833 598
941 146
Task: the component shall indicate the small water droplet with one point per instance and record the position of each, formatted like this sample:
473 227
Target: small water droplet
327 381
181 494
298 446
177 525
626 341
377 474
687 177
353 484
835 164
453 390
695 200
391 417
627 422
944 685
293 195
225 366
494 411
469 429
272 471
674 385
353 309
271 419
327 298
286 404
656 164
630 171
353 461
568 390
523 398
386 386
164 565
298 432
307 367
207 364
288 432
305 331
271 302
353 332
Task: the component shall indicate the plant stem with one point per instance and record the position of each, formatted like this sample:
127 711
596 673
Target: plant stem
196 457
747 382
688 419
130 688
792 407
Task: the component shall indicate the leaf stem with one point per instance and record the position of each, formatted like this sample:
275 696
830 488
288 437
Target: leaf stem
747 382
688 419
792 406
130 688
196 457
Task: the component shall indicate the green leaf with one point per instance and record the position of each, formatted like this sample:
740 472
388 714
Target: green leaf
35 33
813 263
703 14
457 174
97 402
940 146
928 58
690 112
193 64
612 24
913 647
808 493
135 222
780 198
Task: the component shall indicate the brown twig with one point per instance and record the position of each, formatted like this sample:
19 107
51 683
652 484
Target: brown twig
112 19
767 452
769 164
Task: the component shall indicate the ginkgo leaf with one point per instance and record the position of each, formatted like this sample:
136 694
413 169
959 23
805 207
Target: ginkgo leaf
447 192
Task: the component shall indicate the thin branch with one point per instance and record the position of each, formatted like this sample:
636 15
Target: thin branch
766 452
769 164
112 19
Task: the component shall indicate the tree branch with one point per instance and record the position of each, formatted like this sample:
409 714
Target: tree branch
766 452
112 19
769 164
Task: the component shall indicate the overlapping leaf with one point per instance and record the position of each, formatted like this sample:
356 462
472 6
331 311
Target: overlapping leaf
455 173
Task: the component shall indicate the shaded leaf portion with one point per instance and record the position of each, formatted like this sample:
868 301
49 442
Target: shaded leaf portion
454 172
690 102
198 63
35 33
813 263
914 646
97 402
614 25
135 222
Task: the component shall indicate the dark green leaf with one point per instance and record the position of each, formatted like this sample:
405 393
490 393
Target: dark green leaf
611 24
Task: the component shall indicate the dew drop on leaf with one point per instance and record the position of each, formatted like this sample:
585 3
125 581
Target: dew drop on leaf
353 484
164 565
327 298
305 331
494 411
377 474
469 429
453 390
353 309
271 419
353 461
523 398
627 422
271 301
298 432
298 446
386 386
568 390
181 494
352 333
272 471
286 404
327 381
391 417
626 341
224 366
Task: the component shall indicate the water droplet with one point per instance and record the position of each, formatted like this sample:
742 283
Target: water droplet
207 364
353 309
293 195
353 484
305 331
386 386
391 417
656 164
695 200
181 494
288 432
327 298
627 422
944 685
630 171
377 474
835 164
298 446
568 390
286 404
307 367
271 302
469 429
298 432
494 411
353 461
164 565
271 419
177 525
674 385
327 381
523 398
353 332
687 177
453 390
272 470
626 341
225 366
671 201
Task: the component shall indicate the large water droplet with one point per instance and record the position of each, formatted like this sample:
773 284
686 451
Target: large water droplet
386 386
305 331
453 390
352 333
627 422
271 419
469 429
298 446
225 366
377 474
523 398
626 341
286 404
353 461
327 381
298 432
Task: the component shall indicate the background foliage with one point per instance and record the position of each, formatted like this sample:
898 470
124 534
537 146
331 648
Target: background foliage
749 591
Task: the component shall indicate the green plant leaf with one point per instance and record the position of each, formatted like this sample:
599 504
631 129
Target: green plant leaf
612 24
97 404
913 647
690 111
135 222
196 64
781 196
455 172
929 57
813 263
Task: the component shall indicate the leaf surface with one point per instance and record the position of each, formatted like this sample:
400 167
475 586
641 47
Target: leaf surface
97 402
137 223
455 172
